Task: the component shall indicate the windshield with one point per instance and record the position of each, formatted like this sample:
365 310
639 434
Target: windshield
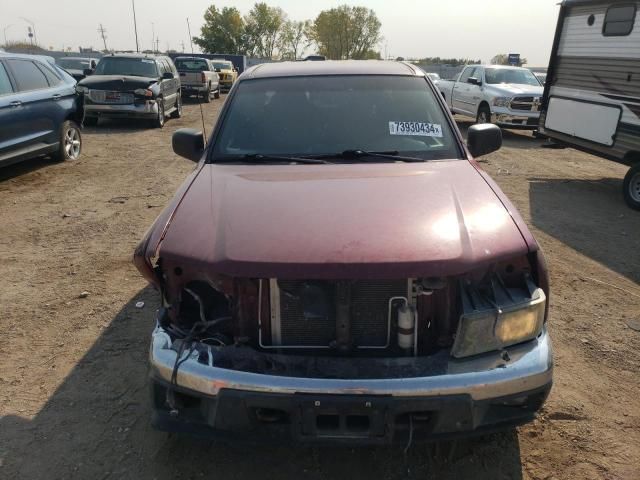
192 65
135 67
74 63
511 75
323 115
223 65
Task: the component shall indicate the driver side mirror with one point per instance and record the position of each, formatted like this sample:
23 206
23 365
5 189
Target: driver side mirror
188 143
87 71
474 81
483 139
168 76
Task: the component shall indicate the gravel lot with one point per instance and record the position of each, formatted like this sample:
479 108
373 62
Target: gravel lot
73 390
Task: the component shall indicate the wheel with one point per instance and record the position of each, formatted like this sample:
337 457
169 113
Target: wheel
90 121
484 115
177 113
70 142
159 120
631 187
207 95
216 94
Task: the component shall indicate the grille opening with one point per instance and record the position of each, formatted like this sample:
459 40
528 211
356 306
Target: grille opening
271 415
185 401
417 419
328 423
358 423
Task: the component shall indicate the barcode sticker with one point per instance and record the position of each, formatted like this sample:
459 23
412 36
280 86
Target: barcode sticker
420 129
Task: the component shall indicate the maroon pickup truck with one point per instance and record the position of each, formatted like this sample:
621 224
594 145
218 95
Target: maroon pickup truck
339 269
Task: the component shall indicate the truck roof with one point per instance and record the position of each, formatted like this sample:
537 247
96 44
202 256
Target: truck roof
333 67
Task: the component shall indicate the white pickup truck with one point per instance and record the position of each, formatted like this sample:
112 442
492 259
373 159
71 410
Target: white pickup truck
198 76
507 96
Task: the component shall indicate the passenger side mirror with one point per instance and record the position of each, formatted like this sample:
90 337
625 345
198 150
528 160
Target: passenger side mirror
483 139
167 76
87 71
188 143
474 81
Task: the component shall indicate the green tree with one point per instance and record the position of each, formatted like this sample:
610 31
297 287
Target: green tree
263 26
294 39
223 31
346 32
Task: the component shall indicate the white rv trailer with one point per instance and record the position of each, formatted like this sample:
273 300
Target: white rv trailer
592 96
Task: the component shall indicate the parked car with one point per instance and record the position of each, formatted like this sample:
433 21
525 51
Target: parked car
136 86
593 101
76 66
198 76
338 268
227 73
39 110
507 96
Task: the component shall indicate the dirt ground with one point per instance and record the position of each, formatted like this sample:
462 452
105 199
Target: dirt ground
73 390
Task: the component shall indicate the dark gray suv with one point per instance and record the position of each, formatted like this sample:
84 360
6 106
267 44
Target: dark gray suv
132 86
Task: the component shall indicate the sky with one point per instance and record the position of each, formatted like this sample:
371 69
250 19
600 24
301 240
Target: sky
475 29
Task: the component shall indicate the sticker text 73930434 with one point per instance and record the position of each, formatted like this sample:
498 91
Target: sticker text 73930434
420 129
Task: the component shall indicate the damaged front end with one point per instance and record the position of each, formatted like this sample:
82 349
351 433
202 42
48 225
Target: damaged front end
480 335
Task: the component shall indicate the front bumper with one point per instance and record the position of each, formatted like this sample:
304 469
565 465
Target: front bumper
148 109
445 396
522 120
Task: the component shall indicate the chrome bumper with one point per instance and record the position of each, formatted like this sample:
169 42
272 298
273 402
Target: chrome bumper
147 109
195 88
528 367
511 119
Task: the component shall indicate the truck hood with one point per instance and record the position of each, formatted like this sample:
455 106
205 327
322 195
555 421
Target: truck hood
340 221
517 89
117 83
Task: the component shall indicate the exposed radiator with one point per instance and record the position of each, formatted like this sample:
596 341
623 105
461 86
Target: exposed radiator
311 314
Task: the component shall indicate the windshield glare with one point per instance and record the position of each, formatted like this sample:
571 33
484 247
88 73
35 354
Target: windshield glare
74 63
320 115
192 65
522 76
136 67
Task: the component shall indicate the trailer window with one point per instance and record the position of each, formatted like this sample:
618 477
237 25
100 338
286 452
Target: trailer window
619 21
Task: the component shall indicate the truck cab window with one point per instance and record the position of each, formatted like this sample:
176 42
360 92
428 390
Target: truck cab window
468 72
619 21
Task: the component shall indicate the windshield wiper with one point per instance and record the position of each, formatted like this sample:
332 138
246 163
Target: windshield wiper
358 154
258 158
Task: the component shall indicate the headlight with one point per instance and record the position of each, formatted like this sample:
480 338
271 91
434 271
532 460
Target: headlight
82 90
502 101
517 318
143 92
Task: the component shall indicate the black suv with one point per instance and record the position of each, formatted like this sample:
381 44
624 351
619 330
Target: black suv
132 86
39 110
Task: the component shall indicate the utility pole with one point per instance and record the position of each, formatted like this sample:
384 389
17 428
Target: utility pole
102 31
181 43
32 30
153 37
9 26
135 24
190 37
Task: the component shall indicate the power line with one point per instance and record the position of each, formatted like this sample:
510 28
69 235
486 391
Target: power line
102 31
